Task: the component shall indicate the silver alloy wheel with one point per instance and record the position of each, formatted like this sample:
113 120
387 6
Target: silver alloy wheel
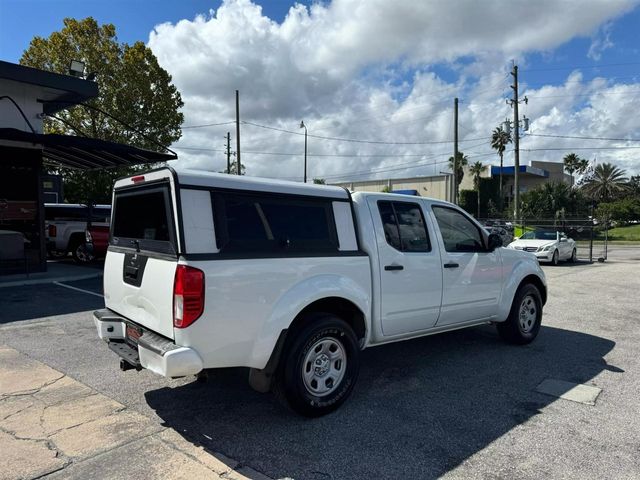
324 366
527 314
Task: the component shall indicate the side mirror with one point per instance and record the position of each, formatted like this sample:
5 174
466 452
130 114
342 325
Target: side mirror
494 241
563 239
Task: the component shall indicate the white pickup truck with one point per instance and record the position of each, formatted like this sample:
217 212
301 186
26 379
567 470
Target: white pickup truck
292 280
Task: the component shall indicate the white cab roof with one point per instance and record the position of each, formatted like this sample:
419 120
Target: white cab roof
257 184
399 197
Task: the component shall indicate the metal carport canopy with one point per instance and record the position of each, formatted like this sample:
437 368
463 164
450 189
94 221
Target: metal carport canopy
85 153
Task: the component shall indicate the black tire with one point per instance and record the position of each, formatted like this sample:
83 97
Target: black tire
290 386
555 258
81 254
521 331
574 256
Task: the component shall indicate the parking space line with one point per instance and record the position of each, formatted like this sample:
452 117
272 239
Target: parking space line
78 289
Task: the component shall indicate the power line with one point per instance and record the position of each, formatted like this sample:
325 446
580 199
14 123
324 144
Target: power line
353 140
575 67
398 167
207 125
584 138
577 148
592 94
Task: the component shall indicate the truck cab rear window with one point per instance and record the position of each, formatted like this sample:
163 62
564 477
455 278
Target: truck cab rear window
142 219
248 223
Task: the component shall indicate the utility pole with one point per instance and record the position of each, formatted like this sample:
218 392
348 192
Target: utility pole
228 152
514 102
239 165
455 150
302 125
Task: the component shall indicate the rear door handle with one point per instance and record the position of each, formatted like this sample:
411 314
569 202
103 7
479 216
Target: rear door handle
451 265
389 268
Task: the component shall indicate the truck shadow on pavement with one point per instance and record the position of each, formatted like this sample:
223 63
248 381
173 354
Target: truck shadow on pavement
46 300
419 409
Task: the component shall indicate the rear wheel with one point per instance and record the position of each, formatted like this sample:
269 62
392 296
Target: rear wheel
574 256
319 366
81 254
525 317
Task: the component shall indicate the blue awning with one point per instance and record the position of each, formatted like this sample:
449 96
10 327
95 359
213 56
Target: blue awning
524 169
406 192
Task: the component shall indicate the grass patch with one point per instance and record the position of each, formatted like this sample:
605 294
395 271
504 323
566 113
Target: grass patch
630 233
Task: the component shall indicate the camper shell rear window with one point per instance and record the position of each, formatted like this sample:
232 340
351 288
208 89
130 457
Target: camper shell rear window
143 219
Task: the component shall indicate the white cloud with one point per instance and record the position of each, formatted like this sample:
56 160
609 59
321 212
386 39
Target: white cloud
361 69
600 42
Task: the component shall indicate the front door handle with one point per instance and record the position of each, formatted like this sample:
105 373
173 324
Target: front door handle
390 268
451 265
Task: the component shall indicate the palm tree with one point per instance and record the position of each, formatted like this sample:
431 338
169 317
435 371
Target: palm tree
499 141
476 170
458 168
574 164
606 183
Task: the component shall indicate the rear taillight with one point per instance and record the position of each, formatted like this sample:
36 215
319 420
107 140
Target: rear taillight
188 296
53 231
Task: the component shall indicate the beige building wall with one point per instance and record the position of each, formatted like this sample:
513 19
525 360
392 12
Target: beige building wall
438 186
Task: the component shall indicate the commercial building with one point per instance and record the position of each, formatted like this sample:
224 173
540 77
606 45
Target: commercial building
437 186
441 186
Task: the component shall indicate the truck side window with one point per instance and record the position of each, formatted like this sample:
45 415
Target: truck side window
404 226
254 223
458 232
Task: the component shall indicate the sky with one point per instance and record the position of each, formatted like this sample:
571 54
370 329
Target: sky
374 80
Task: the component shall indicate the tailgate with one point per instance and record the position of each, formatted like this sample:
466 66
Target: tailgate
141 261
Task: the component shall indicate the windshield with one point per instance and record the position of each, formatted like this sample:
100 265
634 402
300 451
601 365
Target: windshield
539 235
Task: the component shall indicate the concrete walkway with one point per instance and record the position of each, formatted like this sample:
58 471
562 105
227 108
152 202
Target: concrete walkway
54 426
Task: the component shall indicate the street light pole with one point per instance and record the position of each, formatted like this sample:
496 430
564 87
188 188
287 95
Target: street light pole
302 125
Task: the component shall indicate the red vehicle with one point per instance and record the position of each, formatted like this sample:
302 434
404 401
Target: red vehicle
97 241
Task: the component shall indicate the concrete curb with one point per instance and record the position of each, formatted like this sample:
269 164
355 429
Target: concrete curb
40 281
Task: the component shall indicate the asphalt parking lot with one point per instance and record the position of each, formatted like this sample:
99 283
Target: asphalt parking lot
458 405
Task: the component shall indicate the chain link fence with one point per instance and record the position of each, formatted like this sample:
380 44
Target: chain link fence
591 243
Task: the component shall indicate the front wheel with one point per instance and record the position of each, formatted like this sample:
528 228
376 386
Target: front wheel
319 366
554 259
525 317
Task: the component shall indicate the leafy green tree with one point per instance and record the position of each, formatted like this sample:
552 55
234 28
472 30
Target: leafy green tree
552 200
607 183
458 167
476 171
499 141
574 164
133 88
624 210
634 186
234 169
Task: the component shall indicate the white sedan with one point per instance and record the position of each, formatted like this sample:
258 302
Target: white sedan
547 245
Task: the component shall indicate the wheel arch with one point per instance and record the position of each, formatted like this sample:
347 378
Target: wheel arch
261 379
338 306
538 283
